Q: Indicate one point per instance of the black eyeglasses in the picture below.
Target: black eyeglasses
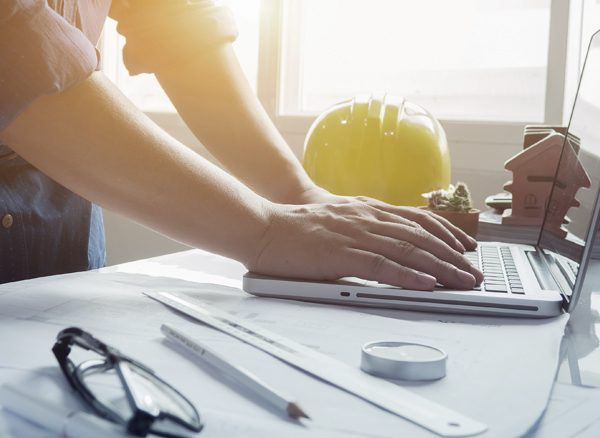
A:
(123, 390)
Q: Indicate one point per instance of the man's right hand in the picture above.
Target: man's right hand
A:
(330, 241)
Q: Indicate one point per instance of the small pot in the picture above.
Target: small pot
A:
(467, 221)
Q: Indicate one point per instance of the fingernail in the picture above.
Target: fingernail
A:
(427, 281)
(465, 278)
(478, 278)
(472, 241)
(460, 246)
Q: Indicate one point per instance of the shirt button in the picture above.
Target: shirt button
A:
(7, 221)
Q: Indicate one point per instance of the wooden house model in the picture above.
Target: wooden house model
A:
(533, 171)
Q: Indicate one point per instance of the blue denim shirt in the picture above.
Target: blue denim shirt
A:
(47, 46)
(45, 229)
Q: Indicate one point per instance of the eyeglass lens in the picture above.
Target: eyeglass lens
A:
(151, 393)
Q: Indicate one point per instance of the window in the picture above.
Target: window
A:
(461, 59)
(590, 23)
(473, 63)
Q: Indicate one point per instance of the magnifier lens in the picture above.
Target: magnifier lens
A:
(403, 360)
(408, 352)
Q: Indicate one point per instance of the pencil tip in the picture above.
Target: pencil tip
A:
(295, 411)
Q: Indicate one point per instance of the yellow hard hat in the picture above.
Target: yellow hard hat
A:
(379, 146)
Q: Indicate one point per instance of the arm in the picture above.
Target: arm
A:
(187, 45)
(214, 98)
(92, 140)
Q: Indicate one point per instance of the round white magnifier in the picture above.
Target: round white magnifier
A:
(403, 360)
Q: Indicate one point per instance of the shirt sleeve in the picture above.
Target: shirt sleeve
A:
(163, 33)
(40, 53)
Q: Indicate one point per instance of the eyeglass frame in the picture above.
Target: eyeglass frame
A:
(142, 420)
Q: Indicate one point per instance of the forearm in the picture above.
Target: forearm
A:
(94, 142)
(215, 100)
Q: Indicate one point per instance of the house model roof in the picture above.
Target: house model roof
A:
(547, 151)
(551, 145)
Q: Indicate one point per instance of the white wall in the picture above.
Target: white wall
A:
(479, 164)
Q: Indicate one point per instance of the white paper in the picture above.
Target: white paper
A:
(498, 368)
(572, 412)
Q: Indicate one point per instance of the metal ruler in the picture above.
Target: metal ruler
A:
(390, 397)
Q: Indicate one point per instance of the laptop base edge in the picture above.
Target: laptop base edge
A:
(365, 296)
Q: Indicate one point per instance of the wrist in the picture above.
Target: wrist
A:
(317, 195)
(308, 194)
(271, 211)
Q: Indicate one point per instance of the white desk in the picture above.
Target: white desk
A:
(110, 305)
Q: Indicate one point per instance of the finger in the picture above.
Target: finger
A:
(468, 242)
(376, 267)
(432, 225)
(421, 238)
(413, 257)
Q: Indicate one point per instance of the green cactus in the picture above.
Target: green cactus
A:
(453, 199)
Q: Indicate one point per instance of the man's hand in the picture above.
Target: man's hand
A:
(399, 246)
(436, 225)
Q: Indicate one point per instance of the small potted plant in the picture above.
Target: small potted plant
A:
(455, 205)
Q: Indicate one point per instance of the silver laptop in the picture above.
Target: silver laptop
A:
(519, 280)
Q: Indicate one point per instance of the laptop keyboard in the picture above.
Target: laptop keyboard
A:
(499, 271)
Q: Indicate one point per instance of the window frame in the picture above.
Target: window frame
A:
(564, 15)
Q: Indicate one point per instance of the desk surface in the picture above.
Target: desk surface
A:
(38, 309)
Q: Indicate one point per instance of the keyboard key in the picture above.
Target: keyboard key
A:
(499, 269)
(496, 288)
(499, 284)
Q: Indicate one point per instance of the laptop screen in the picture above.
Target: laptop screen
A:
(572, 205)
